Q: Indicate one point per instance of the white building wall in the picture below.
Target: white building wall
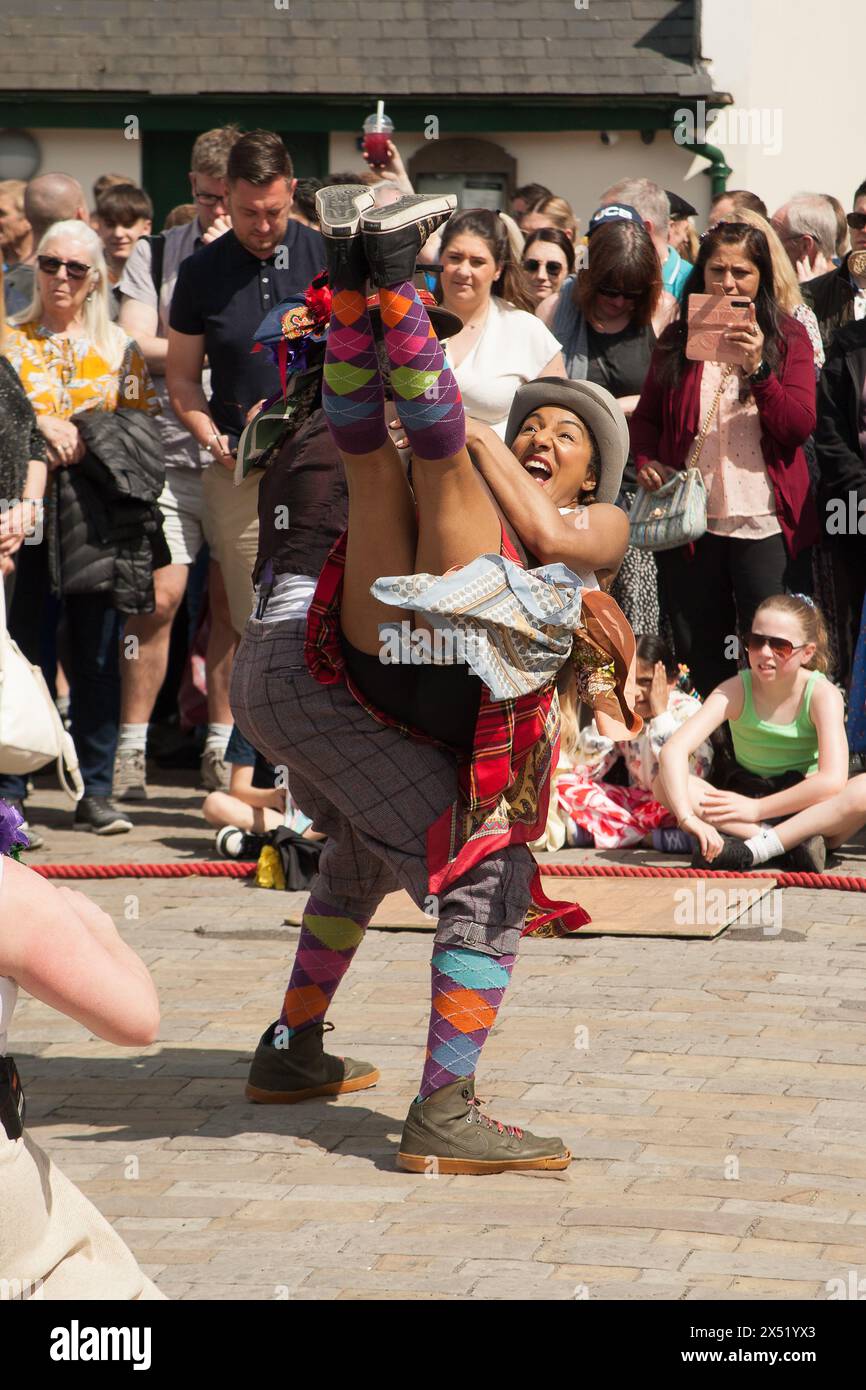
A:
(575, 164)
(85, 154)
(805, 62)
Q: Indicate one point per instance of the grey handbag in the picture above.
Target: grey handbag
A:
(675, 514)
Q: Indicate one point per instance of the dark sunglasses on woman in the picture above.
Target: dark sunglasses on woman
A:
(553, 268)
(755, 641)
(856, 221)
(76, 270)
(611, 292)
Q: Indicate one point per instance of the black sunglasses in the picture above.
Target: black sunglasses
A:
(553, 268)
(780, 645)
(611, 292)
(76, 270)
(856, 221)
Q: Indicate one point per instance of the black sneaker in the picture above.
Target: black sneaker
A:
(339, 208)
(233, 843)
(810, 857)
(35, 840)
(394, 235)
(97, 813)
(734, 854)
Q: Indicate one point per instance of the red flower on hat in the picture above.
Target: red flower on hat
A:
(317, 297)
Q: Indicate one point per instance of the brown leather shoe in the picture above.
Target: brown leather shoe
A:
(286, 1070)
(446, 1133)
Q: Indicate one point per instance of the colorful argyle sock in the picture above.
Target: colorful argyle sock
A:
(328, 942)
(352, 395)
(426, 393)
(467, 991)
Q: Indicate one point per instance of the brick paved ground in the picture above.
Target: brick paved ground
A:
(717, 1114)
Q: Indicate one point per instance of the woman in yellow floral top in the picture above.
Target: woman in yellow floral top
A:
(71, 358)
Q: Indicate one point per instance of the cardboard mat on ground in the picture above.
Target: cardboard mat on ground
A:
(682, 907)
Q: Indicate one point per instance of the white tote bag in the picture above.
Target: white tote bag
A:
(31, 730)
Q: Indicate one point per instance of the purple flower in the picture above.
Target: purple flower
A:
(12, 836)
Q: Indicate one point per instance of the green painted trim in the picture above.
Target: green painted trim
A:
(106, 111)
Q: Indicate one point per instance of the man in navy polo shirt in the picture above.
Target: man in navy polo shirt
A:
(222, 294)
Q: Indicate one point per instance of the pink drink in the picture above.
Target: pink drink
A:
(378, 130)
(376, 147)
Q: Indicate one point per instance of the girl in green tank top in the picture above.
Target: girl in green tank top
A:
(787, 725)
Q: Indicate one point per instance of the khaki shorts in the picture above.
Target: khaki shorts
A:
(182, 507)
(54, 1244)
(231, 524)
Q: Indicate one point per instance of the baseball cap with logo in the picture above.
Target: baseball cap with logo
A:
(613, 212)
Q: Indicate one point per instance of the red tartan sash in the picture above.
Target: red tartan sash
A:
(504, 787)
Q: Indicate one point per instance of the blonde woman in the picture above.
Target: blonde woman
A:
(550, 212)
(73, 361)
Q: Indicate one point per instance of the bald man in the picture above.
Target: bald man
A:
(48, 198)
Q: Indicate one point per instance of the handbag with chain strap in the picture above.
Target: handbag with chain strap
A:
(676, 514)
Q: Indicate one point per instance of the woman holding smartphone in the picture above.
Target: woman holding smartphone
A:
(754, 418)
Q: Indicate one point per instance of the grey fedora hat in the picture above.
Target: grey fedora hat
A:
(598, 410)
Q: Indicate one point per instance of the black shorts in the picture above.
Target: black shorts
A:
(440, 701)
(728, 776)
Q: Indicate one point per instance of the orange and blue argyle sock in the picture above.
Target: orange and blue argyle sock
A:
(352, 395)
(467, 991)
(328, 942)
(425, 390)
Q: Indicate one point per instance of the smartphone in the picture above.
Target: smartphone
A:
(710, 315)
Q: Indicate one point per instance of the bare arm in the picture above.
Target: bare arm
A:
(183, 368)
(37, 477)
(725, 702)
(141, 322)
(263, 798)
(546, 310)
(597, 541)
(65, 951)
(555, 367)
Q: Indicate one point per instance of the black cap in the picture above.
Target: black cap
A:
(679, 206)
(613, 212)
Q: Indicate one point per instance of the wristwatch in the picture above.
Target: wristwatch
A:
(761, 372)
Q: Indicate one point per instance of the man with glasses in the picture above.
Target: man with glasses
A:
(807, 229)
(840, 296)
(146, 289)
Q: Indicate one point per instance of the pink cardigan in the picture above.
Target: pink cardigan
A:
(666, 423)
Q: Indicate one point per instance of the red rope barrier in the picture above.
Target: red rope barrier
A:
(232, 868)
(191, 868)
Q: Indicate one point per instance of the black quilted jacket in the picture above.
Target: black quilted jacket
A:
(103, 521)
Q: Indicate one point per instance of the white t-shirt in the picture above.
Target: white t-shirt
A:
(513, 347)
(290, 598)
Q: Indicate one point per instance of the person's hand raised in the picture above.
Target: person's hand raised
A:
(218, 228)
(659, 691)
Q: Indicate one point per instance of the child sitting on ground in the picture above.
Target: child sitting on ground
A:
(253, 805)
(787, 725)
(587, 810)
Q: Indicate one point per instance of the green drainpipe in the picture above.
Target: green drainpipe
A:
(719, 171)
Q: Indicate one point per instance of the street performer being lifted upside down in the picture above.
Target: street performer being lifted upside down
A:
(441, 790)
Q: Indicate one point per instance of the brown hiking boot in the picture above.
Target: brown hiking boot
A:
(446, 1133)
(286, 1070)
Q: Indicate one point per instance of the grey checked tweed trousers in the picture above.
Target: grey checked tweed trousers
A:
(372, 791)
